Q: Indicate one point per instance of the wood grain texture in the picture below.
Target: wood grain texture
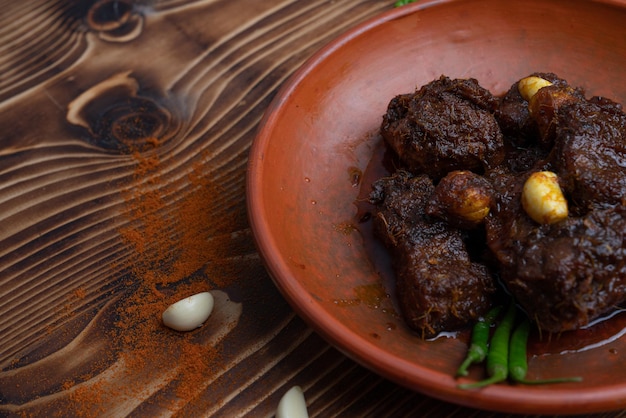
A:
(84, 88)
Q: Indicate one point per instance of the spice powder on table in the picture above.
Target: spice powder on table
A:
(171, 241)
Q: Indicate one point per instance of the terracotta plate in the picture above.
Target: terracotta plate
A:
(318, 150)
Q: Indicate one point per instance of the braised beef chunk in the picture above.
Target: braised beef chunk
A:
(439, 287)
(590, 152)
(446, 125)
(565, 274)
(545, 106)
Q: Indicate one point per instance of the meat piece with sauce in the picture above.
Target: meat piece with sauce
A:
(446, 125)
(439, 287)
(590, 152)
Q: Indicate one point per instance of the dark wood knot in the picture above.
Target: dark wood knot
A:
(118, 116)
(115, 20)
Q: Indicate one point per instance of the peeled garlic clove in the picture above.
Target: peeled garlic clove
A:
(189, 313)
(529, 86)
(292, 404)
(543, 199)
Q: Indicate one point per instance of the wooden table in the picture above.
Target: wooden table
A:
(125, 128)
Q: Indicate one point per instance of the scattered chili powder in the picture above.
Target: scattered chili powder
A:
(178, 245)
(80, 293)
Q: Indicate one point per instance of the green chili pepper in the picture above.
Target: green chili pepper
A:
(402, 2)
(518, 366)
(498, 355)
(479, 344)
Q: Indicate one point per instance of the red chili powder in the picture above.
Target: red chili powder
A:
(175, 241)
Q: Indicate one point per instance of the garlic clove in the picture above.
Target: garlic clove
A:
(189, 313)
(529, 86)
(292, 404)
(542, 198)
